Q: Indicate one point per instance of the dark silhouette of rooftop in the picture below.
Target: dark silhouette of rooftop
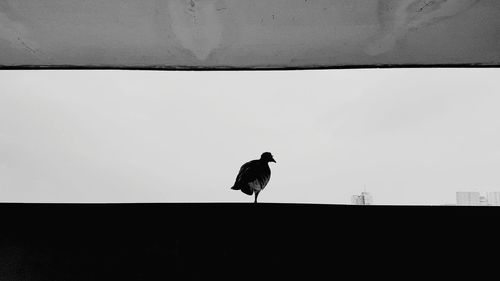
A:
(225, 241)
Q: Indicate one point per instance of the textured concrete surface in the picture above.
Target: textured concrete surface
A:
(243, 33)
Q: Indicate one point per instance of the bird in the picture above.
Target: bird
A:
(254, 175)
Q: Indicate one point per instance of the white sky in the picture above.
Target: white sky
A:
(411, 136)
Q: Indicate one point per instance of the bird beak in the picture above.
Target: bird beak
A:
(273, 160)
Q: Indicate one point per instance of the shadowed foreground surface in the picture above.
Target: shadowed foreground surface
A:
(244, 241)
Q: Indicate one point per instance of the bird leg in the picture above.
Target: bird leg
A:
(256, 195)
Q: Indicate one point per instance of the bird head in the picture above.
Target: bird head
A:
(267, 156)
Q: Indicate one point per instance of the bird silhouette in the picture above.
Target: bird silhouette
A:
(254, 175)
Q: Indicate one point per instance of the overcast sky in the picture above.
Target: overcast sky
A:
(409, 136)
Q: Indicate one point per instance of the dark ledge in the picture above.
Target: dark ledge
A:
(225, 241)
(492, 64)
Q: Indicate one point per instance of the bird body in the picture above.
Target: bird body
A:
(254, 175)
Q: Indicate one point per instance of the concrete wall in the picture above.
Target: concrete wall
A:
(248, 33)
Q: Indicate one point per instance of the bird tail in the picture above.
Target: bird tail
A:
(245, 189)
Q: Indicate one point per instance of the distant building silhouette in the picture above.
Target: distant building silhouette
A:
(468, 198)
(493, 198)
(483, 201)
(364, 199)
(476, 199)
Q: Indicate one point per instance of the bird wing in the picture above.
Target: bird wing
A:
(248, 172)
(260, 182)
(253, 176)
